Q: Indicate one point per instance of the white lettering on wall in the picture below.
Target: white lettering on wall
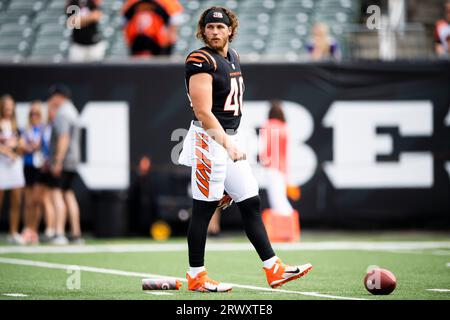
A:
(356, 144)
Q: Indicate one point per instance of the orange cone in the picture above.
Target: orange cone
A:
(281, 228)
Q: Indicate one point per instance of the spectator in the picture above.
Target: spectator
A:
(174, 9)
(444, 49)
(87, 44)
(322, 46)
(441, 31)
(273, 157)
(142, 198)
(145, 29)
(32, 164)
(447, 38)
(11, 165)
(64, 159)
(45, 180)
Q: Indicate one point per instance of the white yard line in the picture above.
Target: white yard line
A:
(50, 265)
(230, 246)
(420, 252)
(15, 295)
(448, 264)
(439, 290)
(441, 252)
(158, 293)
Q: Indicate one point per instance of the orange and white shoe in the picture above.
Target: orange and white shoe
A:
(202, 283)
(281, 273)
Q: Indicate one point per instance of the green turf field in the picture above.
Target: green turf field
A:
(113, 269)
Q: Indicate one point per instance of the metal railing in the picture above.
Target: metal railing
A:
(408, 42)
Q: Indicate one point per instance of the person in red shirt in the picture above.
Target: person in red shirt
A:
(441, 31)
(273, 156)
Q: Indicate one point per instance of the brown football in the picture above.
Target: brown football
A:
(380, 281)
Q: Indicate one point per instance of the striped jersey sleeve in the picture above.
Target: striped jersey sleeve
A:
(199, 61)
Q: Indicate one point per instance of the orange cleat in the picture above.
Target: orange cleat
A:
(202, 283)
(281, 273)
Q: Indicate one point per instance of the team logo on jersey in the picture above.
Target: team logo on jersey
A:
(218, 15)
(232, 65)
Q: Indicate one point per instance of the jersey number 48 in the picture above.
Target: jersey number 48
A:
(234, 99)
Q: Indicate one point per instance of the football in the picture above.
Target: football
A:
(380, 281)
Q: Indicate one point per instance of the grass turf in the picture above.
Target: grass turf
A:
(337, 273)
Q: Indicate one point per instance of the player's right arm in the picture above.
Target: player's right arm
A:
(200, 92)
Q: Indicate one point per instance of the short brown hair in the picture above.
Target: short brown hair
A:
(201, 23)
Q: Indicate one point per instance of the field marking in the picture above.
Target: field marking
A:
(422, 252)
(448, 264)
(50, 265)
(16, 295)
(439, 290)
(230, 246)
(156, 293)
(441, 252)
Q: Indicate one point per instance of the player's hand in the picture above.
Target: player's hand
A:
(235, 154)
(225, 202)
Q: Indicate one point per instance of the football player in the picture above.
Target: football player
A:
(215, 87)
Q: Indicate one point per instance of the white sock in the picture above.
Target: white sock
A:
(268, 264)
(194, 271)
(49, 232)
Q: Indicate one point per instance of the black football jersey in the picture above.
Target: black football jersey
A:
(228, 83)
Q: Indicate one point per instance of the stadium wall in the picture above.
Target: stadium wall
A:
(369, 142)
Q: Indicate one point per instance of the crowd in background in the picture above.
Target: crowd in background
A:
(38, 162)
(150, 28)
(37, 166)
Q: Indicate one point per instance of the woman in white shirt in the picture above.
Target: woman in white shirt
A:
(11, 165)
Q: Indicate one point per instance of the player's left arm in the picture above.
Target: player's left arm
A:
(200, 92)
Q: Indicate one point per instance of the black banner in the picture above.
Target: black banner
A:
(369, 141)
